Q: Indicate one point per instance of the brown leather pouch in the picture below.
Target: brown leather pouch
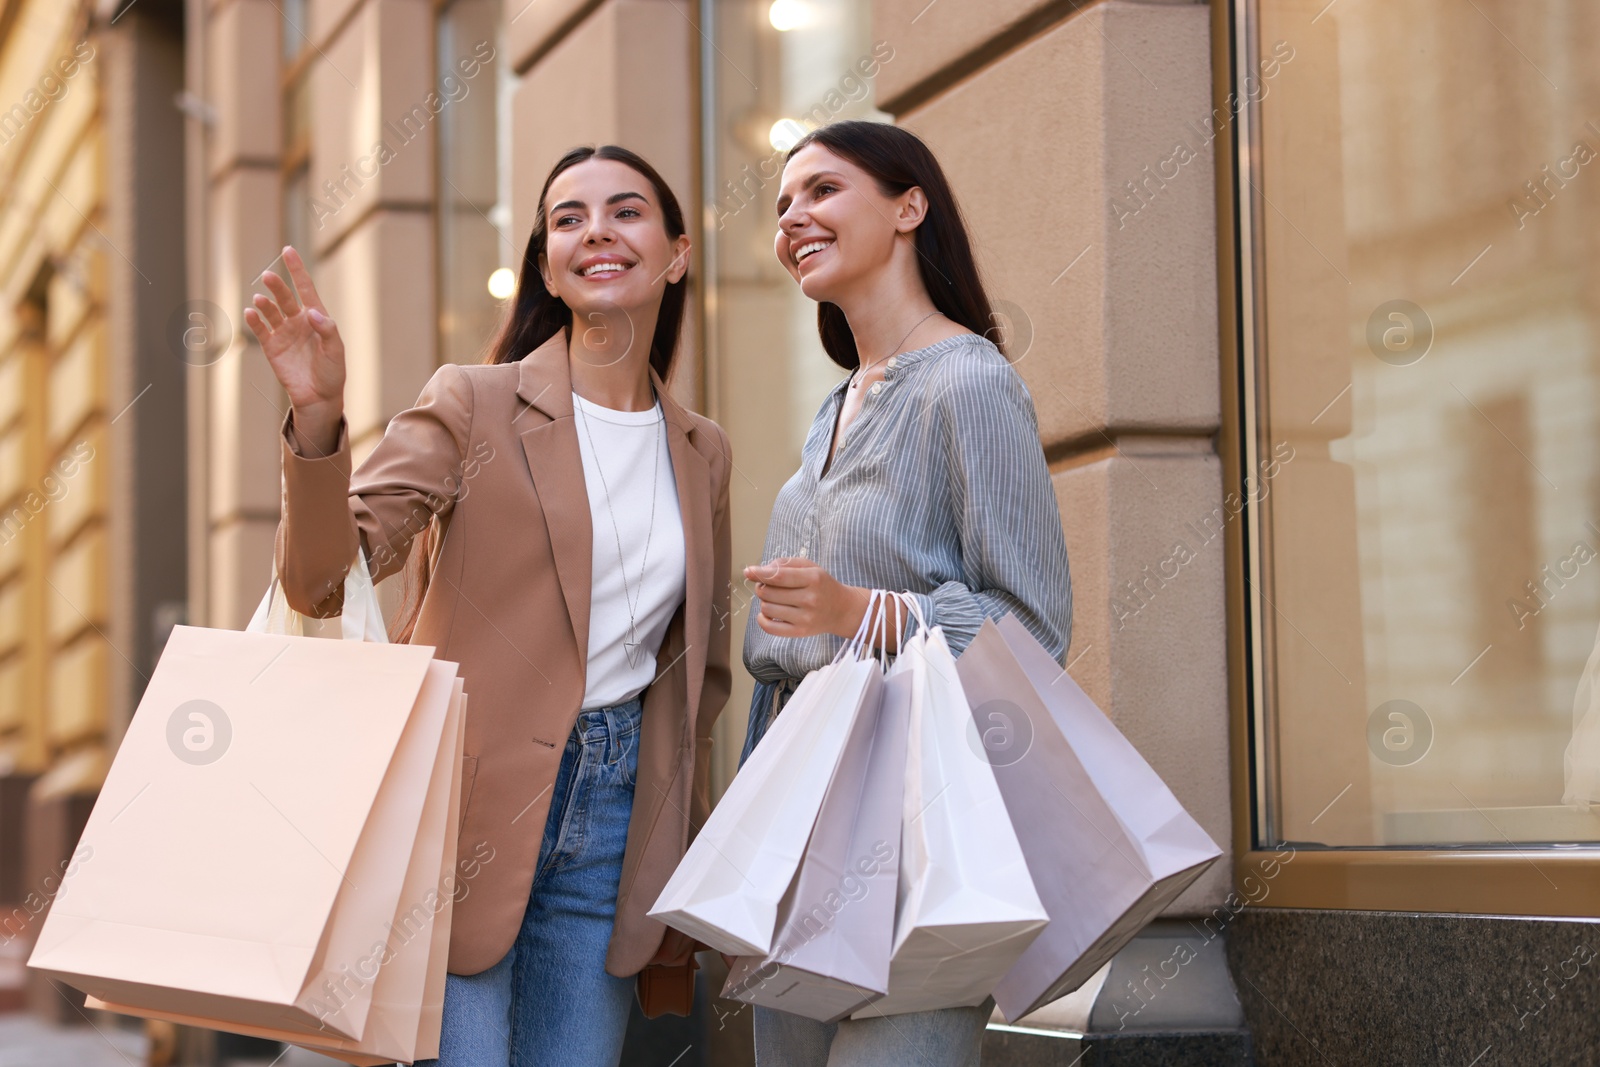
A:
(667, 990)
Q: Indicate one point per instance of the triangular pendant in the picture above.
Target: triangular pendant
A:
(631, 650)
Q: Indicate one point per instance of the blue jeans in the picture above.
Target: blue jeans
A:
(948, 1037)
(549, 1001)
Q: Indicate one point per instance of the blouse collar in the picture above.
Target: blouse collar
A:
(917, 355)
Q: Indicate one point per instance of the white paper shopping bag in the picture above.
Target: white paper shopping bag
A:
(1108, 843)
(836, 924)
(726, 890)
(967, 903)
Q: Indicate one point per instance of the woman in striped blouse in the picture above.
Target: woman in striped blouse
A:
(922, 473)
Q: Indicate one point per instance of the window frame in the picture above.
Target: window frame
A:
(1528, 881)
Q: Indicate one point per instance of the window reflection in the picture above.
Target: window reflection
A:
(296, 28)
(473, 213)
(296, 160)
(1429, 584)
(776, 70)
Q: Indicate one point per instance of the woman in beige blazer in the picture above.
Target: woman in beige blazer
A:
(566, 523)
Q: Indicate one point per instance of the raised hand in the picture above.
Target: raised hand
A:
(303, 346)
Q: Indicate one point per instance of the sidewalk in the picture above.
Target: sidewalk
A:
(27, 1042)
(13, 975)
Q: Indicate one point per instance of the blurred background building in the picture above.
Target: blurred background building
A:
(1304, 291)
(92, 443)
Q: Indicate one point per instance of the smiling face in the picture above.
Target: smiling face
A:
(834, 225)
(607, 245)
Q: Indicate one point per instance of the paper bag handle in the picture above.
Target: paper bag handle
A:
(856, 644)
(883, 626)
(360, 619)
(875, 620)
(914, 608)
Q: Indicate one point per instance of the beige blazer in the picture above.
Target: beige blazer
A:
(492, 450)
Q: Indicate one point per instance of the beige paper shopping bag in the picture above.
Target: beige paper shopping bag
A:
(271, 801)
(1107, 842)
(408, 992)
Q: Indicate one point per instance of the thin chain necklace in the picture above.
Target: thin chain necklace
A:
(630, 647)
(858, 373)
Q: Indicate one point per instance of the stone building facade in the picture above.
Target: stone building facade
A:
(92, 547)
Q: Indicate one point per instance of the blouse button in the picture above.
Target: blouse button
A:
(877, 387)
(891, 362)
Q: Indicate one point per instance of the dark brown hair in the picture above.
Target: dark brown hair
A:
(897, 160)
(535, 315)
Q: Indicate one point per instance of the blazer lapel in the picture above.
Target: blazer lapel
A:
(693, 475)
(550, 446)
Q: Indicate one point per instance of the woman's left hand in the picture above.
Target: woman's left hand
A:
(800, 599)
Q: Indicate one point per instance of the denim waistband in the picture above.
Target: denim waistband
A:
(608, 724)
(765, 703)
(783, 689)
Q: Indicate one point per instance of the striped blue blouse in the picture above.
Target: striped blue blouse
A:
(940, 489)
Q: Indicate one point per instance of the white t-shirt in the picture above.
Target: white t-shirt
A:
(634, 461)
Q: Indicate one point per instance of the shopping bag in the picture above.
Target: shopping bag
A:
(1107, 842)
(726, 890)
(270, 827)
(967, 906)
(408, 992)
(836, 923)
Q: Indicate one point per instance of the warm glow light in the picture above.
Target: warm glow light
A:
(789, 14)
(502, 283)
(784, 133)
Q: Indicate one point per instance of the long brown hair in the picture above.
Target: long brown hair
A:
(535, 315)
(897, 160)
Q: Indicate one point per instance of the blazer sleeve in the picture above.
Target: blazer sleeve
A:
(719, 673)
(415, 473)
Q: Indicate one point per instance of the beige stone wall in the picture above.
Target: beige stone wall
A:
(1042, 122)
(372, 248)
(236, 397)
(55, 656)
